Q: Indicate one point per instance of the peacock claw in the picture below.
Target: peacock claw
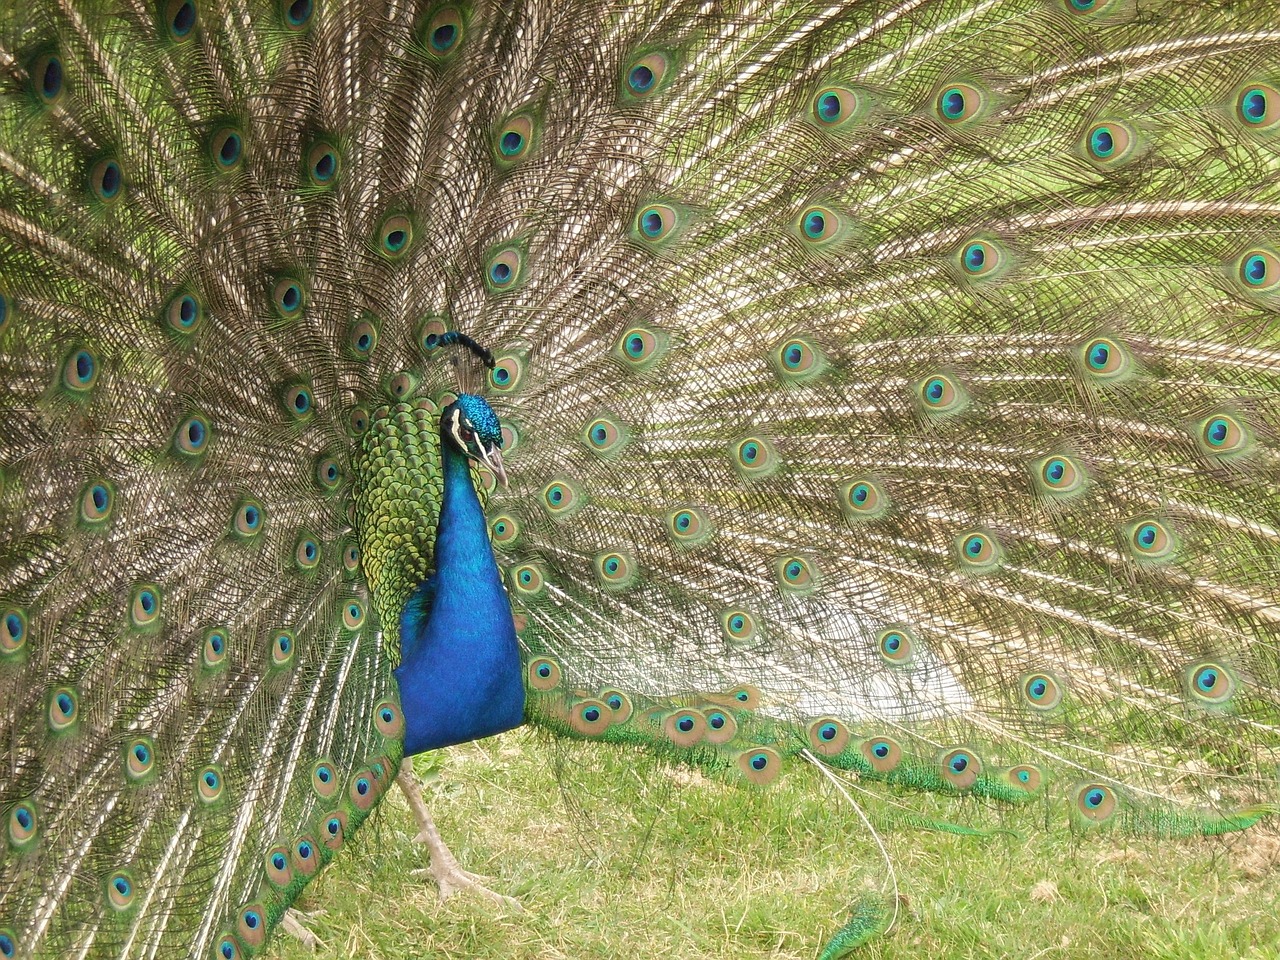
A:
(293, 924)
(449, 876)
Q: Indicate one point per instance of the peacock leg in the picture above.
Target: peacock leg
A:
(449, 876)
(294, 924)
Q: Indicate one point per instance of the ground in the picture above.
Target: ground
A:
(613, 853)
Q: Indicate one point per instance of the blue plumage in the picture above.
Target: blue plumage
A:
(460, 673)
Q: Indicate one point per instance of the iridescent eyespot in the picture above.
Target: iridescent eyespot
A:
(1104, 358)
(507, 373)
(363, 790)
(79, 371)
(46, 79)
(959, 102)
(684, 727)
(527, 579)
(106, 180)
(298, 401)
(503, 270)
(96, 502)
(796, 574)
(514, 140)
(1210, 683)
(304, 857)
(738, 626)
(828, 737)
(351, 558)
(324, 163)
(324, 780)
(184, 313)
(430, 332)
(640, 347)
(1094, 803)
(353, 615)
(1260, 271)
(120, 891)
(1258, 106)
(1058, 477)
(443, 33)
(882, 753)
(543, 674)
(209, 784)
(192, 436)
(605, 436)
(144, 604)
(655, 222)
(333, 830)
(818, 226)
(688, 526)
(1109, 144)
(754, 458)
(214, 650)
(388, 719)
(504, 530)
(226, 147)
(590, 718)
(283, 646)
(863, 499)
(288, 298)
(139, 759)
(276, 864)
(1086, 6)
(180, 19)
(960, 767)
(940, 395)
(296, 14)
(23, 825)
(362, 338)
(897, 645)
(395, 236)
(619, 703)
(1151, 540)
(721, 727)
(64, 709)
(402, 385)
(615, 569)
(13, 631)
(1025, 777)
(248, 520)
(980, 258)
(1041, 692)
(977, 551)
(562, 498)
(1221, 435)
(760, 765)
(328, 473)
(646, 75)
(835, 107)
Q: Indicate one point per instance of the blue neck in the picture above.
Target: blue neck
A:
(459, 674)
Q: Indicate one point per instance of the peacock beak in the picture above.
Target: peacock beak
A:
(492, 457)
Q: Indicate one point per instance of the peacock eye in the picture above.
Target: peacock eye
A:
(467, 434)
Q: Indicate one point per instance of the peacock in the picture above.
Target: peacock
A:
(889, 387)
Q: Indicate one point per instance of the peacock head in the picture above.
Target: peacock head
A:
(470, 424)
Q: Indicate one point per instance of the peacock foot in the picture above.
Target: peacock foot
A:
(444, 868)
(294, 924)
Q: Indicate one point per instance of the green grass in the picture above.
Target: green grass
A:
(614, 854)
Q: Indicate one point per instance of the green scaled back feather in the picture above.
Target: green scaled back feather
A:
(892, 381)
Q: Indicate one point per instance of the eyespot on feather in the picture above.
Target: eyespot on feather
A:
(828, 737)
(684, 727)
(960, 767)
(882, 753)
(760, 765)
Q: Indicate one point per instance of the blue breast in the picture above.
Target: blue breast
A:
(459, 674)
